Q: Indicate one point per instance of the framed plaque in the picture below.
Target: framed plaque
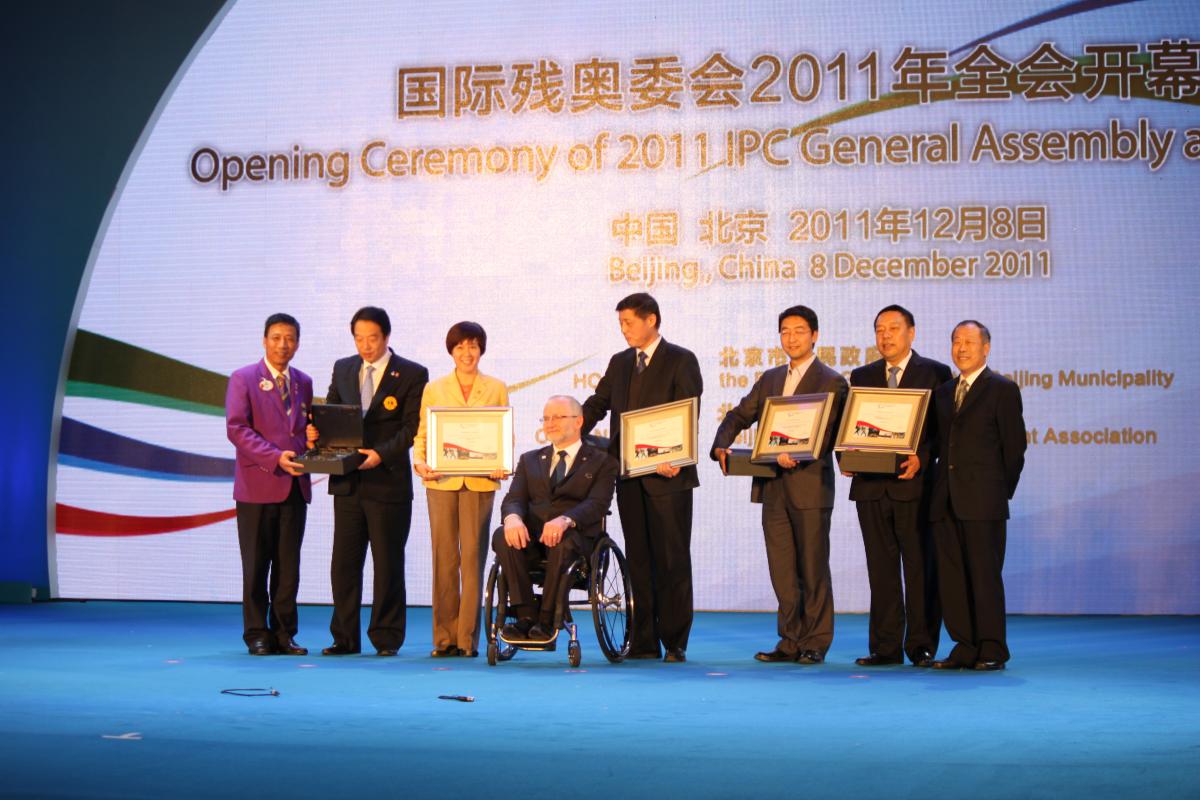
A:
(469, 441)
(792, 424)
(663, 434)
(881, 428)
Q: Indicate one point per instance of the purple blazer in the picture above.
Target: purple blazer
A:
(260, 430)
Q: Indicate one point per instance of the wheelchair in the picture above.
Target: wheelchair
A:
(602, 575)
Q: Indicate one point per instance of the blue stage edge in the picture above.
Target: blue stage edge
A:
(123, 700)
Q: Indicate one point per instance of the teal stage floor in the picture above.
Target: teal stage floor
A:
(123, 700)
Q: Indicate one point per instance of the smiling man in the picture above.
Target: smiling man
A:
(798, 501)
(981, 451)
(266, 404)
(905, 616)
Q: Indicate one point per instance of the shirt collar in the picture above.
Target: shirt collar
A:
(972, 377)
(903, 365)
(276, 373)
(803, 366)
(380, 365)
(572, 450)
(650, 348)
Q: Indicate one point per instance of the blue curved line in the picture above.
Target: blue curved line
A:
(1065, 10)
(118, 469)
(97, 446)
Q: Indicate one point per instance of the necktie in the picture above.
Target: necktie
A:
(560, 470)
(893, 381)
(641, 362)
(960, 393)
(282, 382)
(368, 389)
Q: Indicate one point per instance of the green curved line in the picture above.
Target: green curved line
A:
(104, 392)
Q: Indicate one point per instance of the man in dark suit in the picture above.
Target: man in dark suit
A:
(798, 502)
(373, 504)
(893, 513)
(981, 451)
(266, 405)
(655, 509)
(553, 510)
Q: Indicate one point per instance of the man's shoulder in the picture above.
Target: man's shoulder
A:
(860, 376)
(401, 364)
(301, 376)
(828, 372)
(248, 372)
(942, 371)
(677, 351)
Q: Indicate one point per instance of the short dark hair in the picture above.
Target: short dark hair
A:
(901, 310)
(643, 305)
(983, 331)
(373, 314)
(281, 319)
(804, 312)
(465, 332)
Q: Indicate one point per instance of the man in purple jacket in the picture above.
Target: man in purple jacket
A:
(266, 410)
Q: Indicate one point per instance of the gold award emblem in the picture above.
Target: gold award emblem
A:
(390, 403)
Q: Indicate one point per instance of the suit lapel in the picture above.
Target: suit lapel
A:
(811, 380)
(974, 390)
(543, 458)
(264, 374)
(384, 383)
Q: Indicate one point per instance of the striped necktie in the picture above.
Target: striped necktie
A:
(960, 393)
(282, 382)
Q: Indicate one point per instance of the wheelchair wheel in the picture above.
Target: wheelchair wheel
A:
(574, 654)
(494, 613)
(612, 602)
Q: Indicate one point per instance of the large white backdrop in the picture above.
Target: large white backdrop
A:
(575, 196)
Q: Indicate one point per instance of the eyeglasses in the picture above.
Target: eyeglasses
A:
(558, 418)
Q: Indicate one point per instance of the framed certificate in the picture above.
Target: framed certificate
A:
(664, 434)
(469, 441)
(880, 427)
(792, 424)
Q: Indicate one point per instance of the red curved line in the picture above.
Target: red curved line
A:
(85, 522)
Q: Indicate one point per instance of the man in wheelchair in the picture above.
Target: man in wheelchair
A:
(553, 510)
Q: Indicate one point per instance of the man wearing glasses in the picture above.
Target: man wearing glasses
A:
(553, 510)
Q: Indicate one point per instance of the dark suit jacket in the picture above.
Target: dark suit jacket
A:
(810, 485)
(672, 374)
(981, 448)
(584, 495)
(921, 373)
(389, 432)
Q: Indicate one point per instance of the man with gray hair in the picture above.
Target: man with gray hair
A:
(553, 510)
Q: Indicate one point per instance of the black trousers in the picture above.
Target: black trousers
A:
(357, 524)
(905, 618)
(658, 548)
(797, 542)
(269, 537)
(515, 566)
(970, 556)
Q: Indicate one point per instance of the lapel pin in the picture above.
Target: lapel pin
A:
(266, 385)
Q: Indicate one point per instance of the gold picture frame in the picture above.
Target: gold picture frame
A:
(792, 425)
(469, 441)
(662, 434)
(883, 420)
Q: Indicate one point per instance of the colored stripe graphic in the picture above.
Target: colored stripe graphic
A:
(114, 370)
(83, 445)
(1058, 12)
(84, 522)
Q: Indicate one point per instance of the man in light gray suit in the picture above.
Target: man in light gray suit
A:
(798, 501)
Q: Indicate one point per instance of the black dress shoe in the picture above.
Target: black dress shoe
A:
(810, 657)
(946, 663)
(541, 633)
(338, 649)
(922, 658)
(774, 656)
(386, 652)
(445, 652)
(675, 656)
(516, 631)
(876, 660)
(290, 648)
(258, 647)
(988, 666)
